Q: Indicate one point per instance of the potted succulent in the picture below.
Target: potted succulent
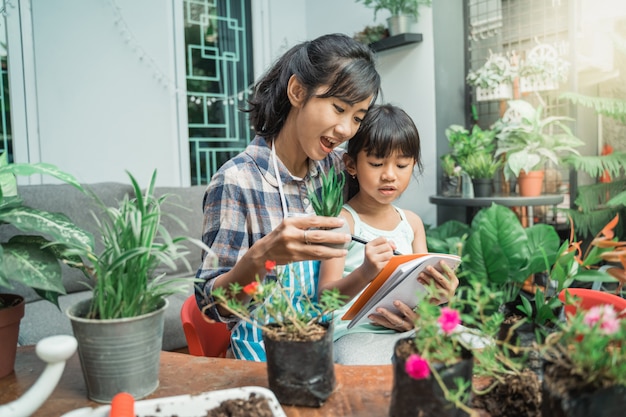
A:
(33, 259)
(122, 323)
(451, 184)
(529, 141)
(329, 201)
(403, 12)
(296, 331)
(494, 80)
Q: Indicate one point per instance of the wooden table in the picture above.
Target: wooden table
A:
(362, 391)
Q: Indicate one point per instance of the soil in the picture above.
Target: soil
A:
(520, 395)
(254, 406)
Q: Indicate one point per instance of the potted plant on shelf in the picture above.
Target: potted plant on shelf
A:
(494, 80)
(33, 259)
(403, 12)
(297, 333)
(451, 184)
(543, 69)
(528, 141)
(122, 324)
(481, 167)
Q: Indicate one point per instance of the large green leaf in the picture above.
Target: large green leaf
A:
(32, 266)
(497, 247)
(543, 240)
(56, 225)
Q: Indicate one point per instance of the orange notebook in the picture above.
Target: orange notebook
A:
(397, 281)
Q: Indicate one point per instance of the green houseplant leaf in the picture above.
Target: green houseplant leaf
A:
(330, 200)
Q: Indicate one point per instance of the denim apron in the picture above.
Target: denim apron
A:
(299, 278)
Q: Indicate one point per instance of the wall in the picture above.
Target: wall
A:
(106, 83)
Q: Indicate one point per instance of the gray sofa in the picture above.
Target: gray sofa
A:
(42, 318)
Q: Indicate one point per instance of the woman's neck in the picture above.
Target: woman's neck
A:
(292, 156)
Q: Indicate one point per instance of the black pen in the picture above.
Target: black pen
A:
(365, 242)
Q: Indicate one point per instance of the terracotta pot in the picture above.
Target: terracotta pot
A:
(301, 373)
(10, 318)
(412, 397)
(531, 183)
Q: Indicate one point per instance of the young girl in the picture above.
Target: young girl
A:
(308, 103)
(381, 159)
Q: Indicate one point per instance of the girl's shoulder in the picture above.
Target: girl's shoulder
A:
(413, 219)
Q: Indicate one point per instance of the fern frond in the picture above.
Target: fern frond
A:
(589, 224)
(593, 195)
(595, 165)
(611, 107)
(618, 200)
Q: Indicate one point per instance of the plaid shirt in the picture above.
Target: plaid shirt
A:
(242, 204)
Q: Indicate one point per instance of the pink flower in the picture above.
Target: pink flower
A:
(417, 367)
(449, 319)
(605, 315)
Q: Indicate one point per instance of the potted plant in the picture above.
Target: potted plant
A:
(329, 201)
(122, 324)
(403, 12)
(33, 259)
(451, 184)
(493, 81)
(543, 69)
(432, 372)
(529, 141)
(298, 340)
(481, 167)
(585, 370)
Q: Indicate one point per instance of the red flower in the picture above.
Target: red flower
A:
(251, 288)
(417, 367)
(449, 319)
(270, 265)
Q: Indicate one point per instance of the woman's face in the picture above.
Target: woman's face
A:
(322, 124)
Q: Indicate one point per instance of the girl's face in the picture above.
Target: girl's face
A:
(322, 124)
(381, 179)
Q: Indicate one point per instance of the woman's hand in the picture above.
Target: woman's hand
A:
(302, 238)
(446, 281)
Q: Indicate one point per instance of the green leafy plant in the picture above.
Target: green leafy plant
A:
(396, 7)
(528, 140)
(134, 244)
(371, 34)
(272, 306)
(448, 237)
(503, 254)
(449, 166)
(464, 143)
(495, 71)
(34, 259)
(481, 165)
(330, 200)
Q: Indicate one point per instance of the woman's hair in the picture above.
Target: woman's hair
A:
(334, 60)
(385, 129)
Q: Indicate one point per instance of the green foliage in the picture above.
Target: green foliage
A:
(134, 244)
(396, 7)
(529, 140)
(614, 108)
(495, 71)
(371, 34)
(449, 166)
(34, 259)
(449, 237)
(464, 143)
(273, 306)
(502, 253)
(481, 165)
(330, 201)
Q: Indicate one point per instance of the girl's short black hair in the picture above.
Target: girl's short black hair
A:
(385, 129)
(334, 60)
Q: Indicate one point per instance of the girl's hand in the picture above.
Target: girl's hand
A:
(445, 280)
(377, 253)
(400, 322)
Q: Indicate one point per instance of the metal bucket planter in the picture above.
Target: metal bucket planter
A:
(118, 355)
(301, 373)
